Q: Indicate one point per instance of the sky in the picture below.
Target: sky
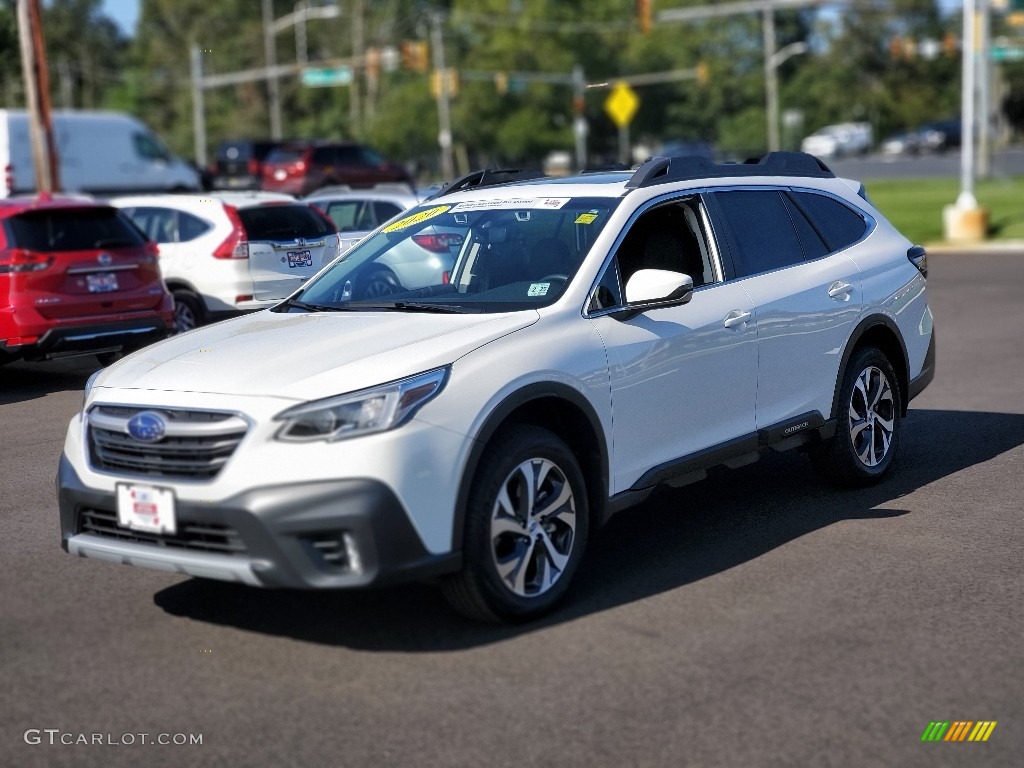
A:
(124, 12)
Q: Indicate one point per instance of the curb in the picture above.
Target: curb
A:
(997, 246)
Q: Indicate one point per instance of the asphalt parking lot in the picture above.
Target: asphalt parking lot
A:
(759, 618)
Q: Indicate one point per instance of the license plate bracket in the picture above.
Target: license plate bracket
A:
(146, 508)
(101, 282)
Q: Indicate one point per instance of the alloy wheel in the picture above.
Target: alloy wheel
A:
(872, 416)
(533, 527)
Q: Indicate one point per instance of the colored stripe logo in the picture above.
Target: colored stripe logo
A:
(959, 730)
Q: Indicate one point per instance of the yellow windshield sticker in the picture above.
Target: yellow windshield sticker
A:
(416, 218)
(586, 218)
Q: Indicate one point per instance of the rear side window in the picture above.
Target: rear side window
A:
(166, 225)
(283, 222)
(838, 224)
(760, 230)
(149, 148)
(78, 229)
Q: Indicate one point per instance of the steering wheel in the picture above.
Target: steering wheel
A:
(549, 278)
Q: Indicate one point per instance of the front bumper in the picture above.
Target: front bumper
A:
(330, 534)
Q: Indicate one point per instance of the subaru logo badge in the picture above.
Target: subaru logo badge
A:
(147, 427)
(105, 259)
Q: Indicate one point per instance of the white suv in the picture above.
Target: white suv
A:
(598, 336)
(232, 251)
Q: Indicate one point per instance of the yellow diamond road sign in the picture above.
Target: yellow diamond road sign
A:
(621, 104)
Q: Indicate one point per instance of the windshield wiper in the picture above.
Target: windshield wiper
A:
(413, 306)
(312, 307)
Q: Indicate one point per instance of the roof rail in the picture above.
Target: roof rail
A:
(661, 170)
(489, 177)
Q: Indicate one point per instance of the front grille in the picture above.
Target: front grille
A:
(195, 446)
(198, 537)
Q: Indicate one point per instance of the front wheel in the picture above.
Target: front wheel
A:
(868, 419)
(526, 528)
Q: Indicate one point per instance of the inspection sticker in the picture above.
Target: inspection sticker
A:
(538, 289)
(551, 203)
(586, 218)
(416, 218)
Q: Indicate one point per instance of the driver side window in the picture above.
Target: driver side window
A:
(668, 237)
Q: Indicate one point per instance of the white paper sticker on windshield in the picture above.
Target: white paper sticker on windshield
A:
(538, 289)
(504, 205)
(416, 218)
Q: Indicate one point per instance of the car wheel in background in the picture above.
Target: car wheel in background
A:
(188, 311)
(863, 449)
(380, 282)
(526, 528)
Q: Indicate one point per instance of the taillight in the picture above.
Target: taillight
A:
(254, 167)
(919, 258)
(236, 245)
(439, 243)
(20, 260)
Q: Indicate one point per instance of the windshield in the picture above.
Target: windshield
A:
(479, 256)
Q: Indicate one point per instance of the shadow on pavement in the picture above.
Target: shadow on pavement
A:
(677, 537)
(23, 381)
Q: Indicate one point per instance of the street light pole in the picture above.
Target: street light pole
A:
(273, 84)
(772, 61)
(444, 120)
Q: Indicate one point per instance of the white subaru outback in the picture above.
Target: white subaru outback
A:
(596, 336)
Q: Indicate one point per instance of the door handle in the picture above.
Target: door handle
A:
(839, 290)
(736, 318)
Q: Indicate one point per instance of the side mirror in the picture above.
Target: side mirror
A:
(658, 288)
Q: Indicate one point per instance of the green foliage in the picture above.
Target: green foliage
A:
(850, 73)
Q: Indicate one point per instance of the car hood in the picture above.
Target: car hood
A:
(308, 356)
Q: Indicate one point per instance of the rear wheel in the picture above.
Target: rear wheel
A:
(380, 282)
(526, 528)
(188, 311)
(863, 449)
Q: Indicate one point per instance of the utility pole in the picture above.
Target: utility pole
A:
(444, 120)
(355, 103)
(771, 77)
(273, 84)
(198, 107)
(580, 127)
(37, 96)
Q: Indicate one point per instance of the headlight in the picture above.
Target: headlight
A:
(88, 387)
(360, 413)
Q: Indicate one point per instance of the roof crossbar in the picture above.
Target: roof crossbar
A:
(489, 177)
(661, 170)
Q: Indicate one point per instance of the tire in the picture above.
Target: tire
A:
(868, 422)
(378, 283)
(518, 563)
(188, 311)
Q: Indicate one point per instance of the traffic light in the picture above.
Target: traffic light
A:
(415, 55)
(644, 13)
(702, 73)
(896, 48)
(950, 45)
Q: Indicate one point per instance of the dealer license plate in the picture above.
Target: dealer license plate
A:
(146, 508)
(101, 282)
(299, 259)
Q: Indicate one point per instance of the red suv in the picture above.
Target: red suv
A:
(77, 278)
(298, 169)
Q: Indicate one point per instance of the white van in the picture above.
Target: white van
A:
(101, 153)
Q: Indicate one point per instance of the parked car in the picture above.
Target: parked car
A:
(599, 336)
(230, 252)
(939, 135)
(239, 163)
(902, 143)
(420, 261)
(103, 153)
(357, 212)
(299, 169)
(842, 140)
(76, 278)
